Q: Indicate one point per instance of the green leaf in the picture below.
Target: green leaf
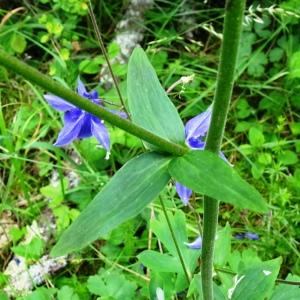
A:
(33, 250)
(91, 66)
(67, 293)
(148, 102)
(45, 38)
(170, 262)
(196, 288)
(273, 102)
(118, 136)
(257, 282)
(160, 262)
(257, 66)
(264, 158)
(242, 126)
(292, 5)
(245, 50)
(15, 233)
(18, 43)
(295, 127)
(276, 54)
(55, 192)
(257, 170)
(288, 157)
(262, 29)
(113, 50)
(3, 296)
(206, 173)
(41, 293)
(256, 137)
(111, 285)
(4, 280)
(244, 109)
(178, 222)
(285, 291)
(3, 74)
(222, 246)
(294, 65)
(162, 281)
(132, 188)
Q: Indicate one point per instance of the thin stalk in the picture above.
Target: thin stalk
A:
(115, 264)
(56, 88)
(231, 38)
(281, 281)
(185, 270)
(197, 219)
(61, 174)
(101, 44)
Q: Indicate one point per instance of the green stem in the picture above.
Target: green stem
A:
(114, 264)
(185, 270)
(231, 38)
(56, 88)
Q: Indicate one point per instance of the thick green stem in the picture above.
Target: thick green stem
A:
(56, 88)
(231, 38)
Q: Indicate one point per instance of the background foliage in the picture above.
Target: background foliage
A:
(182, 39)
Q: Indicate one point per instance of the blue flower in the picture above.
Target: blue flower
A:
(248, 235)
(196, 244)
(195, 132)
(79, 124)
(251, 236)
(240, 236)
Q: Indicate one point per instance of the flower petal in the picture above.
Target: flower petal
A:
(183, 192)
(73, 122)
(198, 126)
(196, 244)
(118, 112)
(58, 103)
(94, 96)
(81, 90)
(100, 132)
(86, 130)
(239, 236)
(252, 236)
(221, 154)
(196, 144)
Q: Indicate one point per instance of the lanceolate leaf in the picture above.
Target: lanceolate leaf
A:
(257, 282)
(132, 188)
(148, 102)
(205, 173)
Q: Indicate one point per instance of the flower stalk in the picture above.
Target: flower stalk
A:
(184, 267)
(102, 47)
(229, 51)
(59, 90)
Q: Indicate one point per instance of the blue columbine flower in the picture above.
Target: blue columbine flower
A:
(195, 131)
(79, 124)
